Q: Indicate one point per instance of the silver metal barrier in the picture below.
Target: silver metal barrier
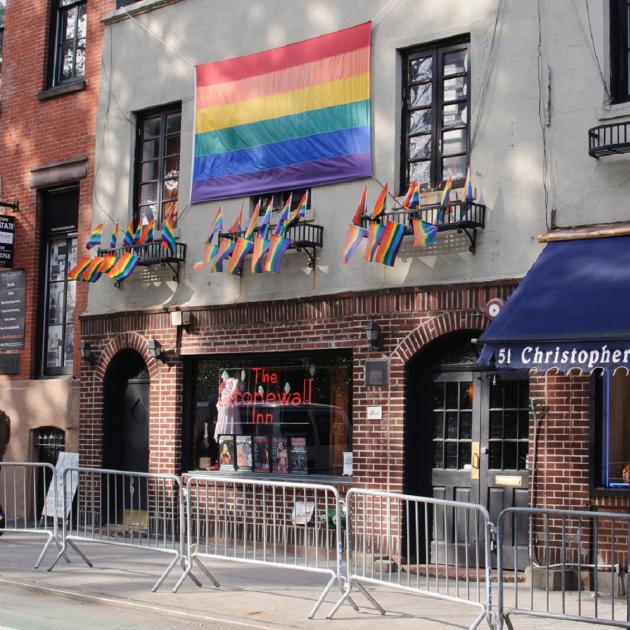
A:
(281, 524)
(130, 509)
(436, 548)
(576, 565)
(29, 502)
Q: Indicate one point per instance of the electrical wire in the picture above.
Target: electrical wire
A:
(606, 102)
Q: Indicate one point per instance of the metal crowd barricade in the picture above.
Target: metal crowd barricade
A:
(281, 524)
(432, 547)
(24, 488)
(577, 565)
(129, 509)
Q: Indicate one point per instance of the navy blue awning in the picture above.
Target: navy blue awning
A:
(572, 309)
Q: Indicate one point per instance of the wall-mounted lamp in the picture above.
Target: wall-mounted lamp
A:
(156, 351)
(181, 318)
(87, 356)
(373, 335)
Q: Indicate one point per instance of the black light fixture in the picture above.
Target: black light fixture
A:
(373, 335)
(155, 348)
(87, 355)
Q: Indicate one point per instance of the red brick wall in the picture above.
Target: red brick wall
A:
(34, 133)
(409, 318)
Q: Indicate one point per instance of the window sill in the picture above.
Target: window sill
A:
(137, 8)
(609, 492)
(619, 110)
(59, 90)
(305, 479)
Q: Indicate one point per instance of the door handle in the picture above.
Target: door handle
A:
(475, 460)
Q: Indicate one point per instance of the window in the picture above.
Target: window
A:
(124, 3)
(436, 112)
(619, 50)
(612, 413)
(279, 199)
(157, 164)
(68, 50)
(2, 8)
(59, 293)
(295, 408)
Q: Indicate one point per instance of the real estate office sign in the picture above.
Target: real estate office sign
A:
(7, 234)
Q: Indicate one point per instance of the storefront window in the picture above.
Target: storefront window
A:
(282, 414)
(615, 412)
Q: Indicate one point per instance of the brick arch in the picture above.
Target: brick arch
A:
(433, 328)
(125, 341)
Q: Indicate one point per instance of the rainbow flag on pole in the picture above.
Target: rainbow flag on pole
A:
(375, 233)
(261, 245)
(125, 265)
(286, 118)
(390, 243)
(380, 205)
(130, 235)
(298, 213)
(107, 263)
(266, 222)
(253, 222)
(207, 256)
(225, 248)
(423, 233)
(355, 235)
(361, 210)
(412, 198)
(168, 235)
(215, 264)
(92, 273)
(79, 268)
(277, 247)
(146, 235)
(284, 216)
(94, 239)
(114, 237)
(241, 249)
(446, 199)
(217, 225)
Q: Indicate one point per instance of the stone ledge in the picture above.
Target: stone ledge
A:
(143, 6)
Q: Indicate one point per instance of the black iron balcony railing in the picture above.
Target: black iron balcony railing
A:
(461, 216)
(152, 254)
(305, 237)
(611, 139)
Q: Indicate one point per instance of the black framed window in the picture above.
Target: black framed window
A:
(435, 114)
(611, 399)
(292, 412)
(619, 50)
(69, 26)
(157, 164)
(278, 200)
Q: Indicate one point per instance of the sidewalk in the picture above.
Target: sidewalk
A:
(250, 596)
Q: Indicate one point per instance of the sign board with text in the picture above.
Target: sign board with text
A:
(12, 306)
(7, 238)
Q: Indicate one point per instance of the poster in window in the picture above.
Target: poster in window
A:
(55, 303)
(226, 452)
(54, 347)
(244, 452)
(71, 298)
(262, 460)
(68, 346)
(280, 455)
(299, 456)
(58, 255)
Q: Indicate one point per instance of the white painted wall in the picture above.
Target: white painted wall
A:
(144, 69)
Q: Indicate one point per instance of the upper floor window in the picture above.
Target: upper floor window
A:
(157, 164)
(2, 8)
(123, 3)
(436, 113)
(69, 30)
(619, 50)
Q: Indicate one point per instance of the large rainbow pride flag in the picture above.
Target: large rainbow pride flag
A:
(285, 118)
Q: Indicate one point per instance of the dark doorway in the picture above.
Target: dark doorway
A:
(466, 436)
(125, 426)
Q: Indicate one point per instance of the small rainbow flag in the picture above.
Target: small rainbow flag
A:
(261, 245)
(92, 273)
(130, 238)
(146, 236)
(360, 211)
(355, 235)
(390, 243)
(412, 198)
(207, 256)
(241, 249)
(298, 213)
(168, 235)
(79, 268)
(214, 264)
(136, 236)
(114, 238)
(468, 188)
(217, 225)
(107, 263)
(375, 233)
(277, 247)
(284, 216)
(226, 247)
(446, 199)
(125, 265)
(380, 205)
(423, 233)
(236, 226)
(266, 222)
(253, 222)
(94, 239)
